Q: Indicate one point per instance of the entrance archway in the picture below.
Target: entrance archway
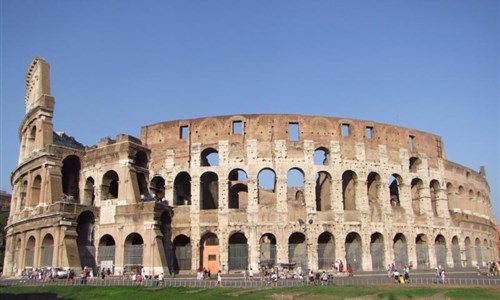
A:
(267, 245)
(85, 240)
(133, 250)
(353, 250)
(209, 252)
(106, 253)
(238, 252)
(182, 253)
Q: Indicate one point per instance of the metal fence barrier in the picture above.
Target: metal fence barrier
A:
(255, 283)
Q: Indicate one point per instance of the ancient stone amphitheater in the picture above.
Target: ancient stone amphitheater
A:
(232, 192)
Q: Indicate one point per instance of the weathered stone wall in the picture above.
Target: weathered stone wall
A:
(241, 191)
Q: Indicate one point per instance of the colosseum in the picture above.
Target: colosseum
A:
(233, 192)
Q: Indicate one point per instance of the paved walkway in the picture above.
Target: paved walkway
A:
(464, 277)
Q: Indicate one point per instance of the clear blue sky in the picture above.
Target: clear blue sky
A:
(119, 65)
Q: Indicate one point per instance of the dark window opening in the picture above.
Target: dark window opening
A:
(293, 131)
(184, 132)
(346, 130)
(369, 132)
(182, 189)
(71, 177)
(412, 143)
(237, 127)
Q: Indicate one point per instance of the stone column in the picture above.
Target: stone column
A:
(312, 248)
(253, 194)
(195, 247)
(223, 252)
(253, 248)
(281, 246)
(362, 196)
(412, 250)
(281, 194)
(336, 194)
(10, 255)
(432, 254)
(119, 251)
(390, 256)
(366, 256)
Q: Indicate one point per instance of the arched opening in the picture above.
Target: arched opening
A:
(71, 177)
(157, 188)
(209, 191)
(416, 188)
(109, 188)
(414, 164)
(29, 258)
(468, 252)
(106, 254)
(455, 252)
(141, 159)
(479, 256)
(209, 252)
(89, 192)
(395, 182)
(400, 250)
(434, 188)
(440, 249)
(35, 191)
(323, 191)
(133, 250)
(168, 247)
(209, 157)
(353, 251)
(377, 251)
(85, 240)
(373, 192)
(143, 187)
(182, 189)
(238, 189)
(297, 250)
(422, 250)
(238, 252)
(461, 194)
(349, 179)
(47, 250)
(295, 185)
(321, 156)
(326, 250)
(267, 245)
(182, 252)
(267, 187)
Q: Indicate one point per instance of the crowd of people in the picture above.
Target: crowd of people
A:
(271, 275)
(397, 276)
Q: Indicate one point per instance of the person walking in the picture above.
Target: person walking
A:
(219, 279)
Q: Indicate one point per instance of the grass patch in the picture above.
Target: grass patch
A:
(295, 293)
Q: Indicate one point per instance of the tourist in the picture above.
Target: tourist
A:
(324, 278)
(219, 279)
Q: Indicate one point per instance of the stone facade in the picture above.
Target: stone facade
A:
(241, 191)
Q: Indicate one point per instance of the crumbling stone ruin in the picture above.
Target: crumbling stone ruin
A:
(232, 192)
